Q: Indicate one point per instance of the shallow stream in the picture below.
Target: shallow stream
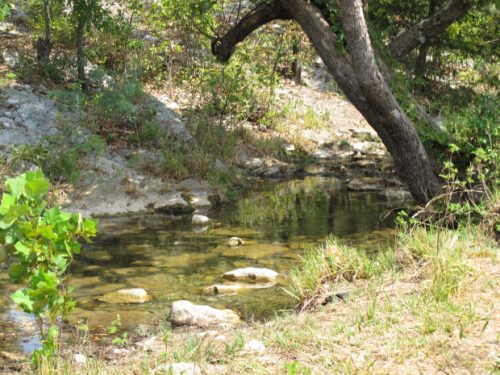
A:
(172, 260)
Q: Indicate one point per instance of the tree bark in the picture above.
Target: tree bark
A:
(400, 136)
(296, 65)
(421, 61)
(80, 53)
(263, 13)
(44, 45)
(433, 25)
(361, 82)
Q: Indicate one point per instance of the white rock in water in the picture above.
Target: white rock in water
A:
(234, 241)
(185, 313)
(80, 359)
(251, 275)
(134, 295)
(200, 220)
(181, 368)
(255, 346)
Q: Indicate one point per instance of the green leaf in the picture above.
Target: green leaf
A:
(36, 184)
(23, 300)
(22, 249)
(15, 186)
(12, 215)
(47, 231)
(61, 263)
(7, 202)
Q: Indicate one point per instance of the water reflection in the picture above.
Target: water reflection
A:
(171, 261)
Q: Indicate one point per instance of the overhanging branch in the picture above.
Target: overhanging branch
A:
(223, 47)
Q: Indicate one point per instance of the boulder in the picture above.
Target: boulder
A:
(200, 220)
(252, 275)
(199, 198)
(172, 204)
(234, 242)
(185, 313)
(134, 295)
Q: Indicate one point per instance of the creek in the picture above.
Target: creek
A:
(173, 260)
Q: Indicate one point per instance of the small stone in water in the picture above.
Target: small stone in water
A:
(200, 220)
(234, 241)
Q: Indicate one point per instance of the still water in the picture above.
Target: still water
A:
(172, 260)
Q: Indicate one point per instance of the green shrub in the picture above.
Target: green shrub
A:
(42, 241)
(123, 105)
(474, 130)
(6, 7)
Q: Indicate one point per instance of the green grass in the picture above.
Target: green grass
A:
(334, 262)
(426, 304)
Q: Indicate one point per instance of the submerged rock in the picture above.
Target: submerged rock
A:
(134, 295)
(234, 241)
(256, 251)
(200, 220)
(235, 288)
(185, 313)
(396, 195)
(252, 275)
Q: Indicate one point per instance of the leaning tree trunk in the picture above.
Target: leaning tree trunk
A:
(366, 88)
(357, 74)
(399, 135)
(80, 55)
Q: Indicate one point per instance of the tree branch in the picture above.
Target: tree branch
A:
(223, 47)
(431, 26)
